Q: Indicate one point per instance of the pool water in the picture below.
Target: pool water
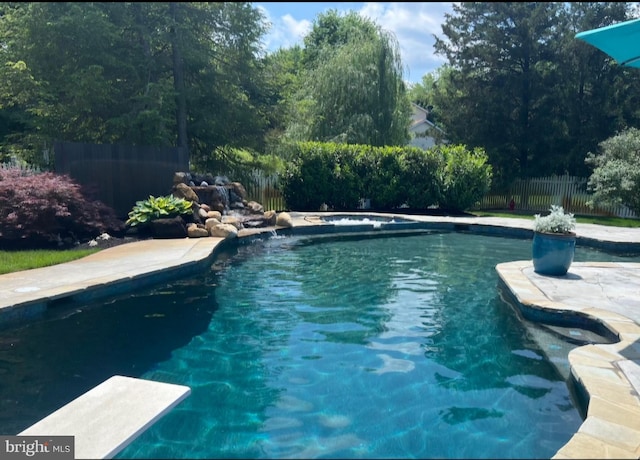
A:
(336, 347)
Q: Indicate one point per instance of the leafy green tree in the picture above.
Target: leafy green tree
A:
(423, 93)
(522, 88)
(616, 171)
(597, 97)
(134, 73)
(227, 99)
(332, 30)
(496, 51)
(352, 90)
(282, 70)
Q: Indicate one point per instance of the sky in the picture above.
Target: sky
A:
(413, 24)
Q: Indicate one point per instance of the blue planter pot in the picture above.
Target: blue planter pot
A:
(553, 253)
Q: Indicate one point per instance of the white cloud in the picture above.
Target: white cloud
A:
(413, 25)
(285, 31)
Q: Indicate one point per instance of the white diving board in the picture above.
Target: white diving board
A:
(110, 416)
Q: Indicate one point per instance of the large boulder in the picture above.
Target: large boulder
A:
(224, 231)
(196, 231)
(168, 228)
(283, 219)
(181, 190)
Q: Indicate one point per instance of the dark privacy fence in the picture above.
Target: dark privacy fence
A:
(120, 175)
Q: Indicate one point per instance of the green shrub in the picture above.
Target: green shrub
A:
(448, 177)
(466, 177)
(321, 173)
(379, 170)
(616, 175)
(419, 180)
(157, 208)
(306, 180)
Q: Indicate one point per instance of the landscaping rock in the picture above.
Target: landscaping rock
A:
(168, 228)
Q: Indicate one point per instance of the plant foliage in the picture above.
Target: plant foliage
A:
(131, 73)
(557, 221)
(352, 90)
(520, 85)
(340, 175)
(616, 175)
(41, 209)
(467, 176)
(160, 207)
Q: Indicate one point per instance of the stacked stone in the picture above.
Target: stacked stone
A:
(219, 210)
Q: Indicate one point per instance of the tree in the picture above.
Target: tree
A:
(598, 97)
(133, 73)
(282, 70)
(515, 81)
(616, 171)
(425, 93)
(497, 51)
(352, 90)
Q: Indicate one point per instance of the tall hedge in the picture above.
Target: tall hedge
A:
(321, 172)
(420, 177)
(466, 177)
(379, 169)
(339, 175)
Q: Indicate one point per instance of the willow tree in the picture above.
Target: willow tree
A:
(352, 89)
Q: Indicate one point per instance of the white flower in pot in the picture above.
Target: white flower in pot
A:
(554, 242)
(557, 221)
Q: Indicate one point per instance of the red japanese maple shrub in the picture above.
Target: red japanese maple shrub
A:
(44, 209)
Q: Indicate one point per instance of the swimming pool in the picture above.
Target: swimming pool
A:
(355, 347)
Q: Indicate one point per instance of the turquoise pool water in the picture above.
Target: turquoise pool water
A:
(359, 347)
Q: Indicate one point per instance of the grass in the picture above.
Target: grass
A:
(599, 220)
(14, 261)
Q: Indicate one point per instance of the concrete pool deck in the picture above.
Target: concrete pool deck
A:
(604, 293)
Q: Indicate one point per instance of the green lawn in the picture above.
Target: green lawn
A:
(14, 261)
(610, 221)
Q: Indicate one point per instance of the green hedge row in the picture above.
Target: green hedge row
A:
(449, 177)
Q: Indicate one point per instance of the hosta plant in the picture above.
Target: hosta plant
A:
(160, 207)
(557, 221)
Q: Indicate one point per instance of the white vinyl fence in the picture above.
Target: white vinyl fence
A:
(536, 195)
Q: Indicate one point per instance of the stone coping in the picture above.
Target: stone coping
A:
(607, 375)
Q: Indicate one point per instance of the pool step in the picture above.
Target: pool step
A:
(110, 416)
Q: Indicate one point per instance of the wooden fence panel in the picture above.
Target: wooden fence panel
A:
(536, 195)
(261, 188)
(120, 175)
